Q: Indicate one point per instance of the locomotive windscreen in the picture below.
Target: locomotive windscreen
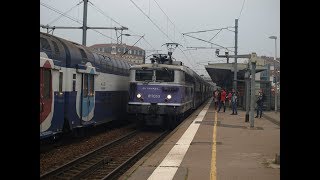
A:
(161, 75)
(165, 75)
(142, 75)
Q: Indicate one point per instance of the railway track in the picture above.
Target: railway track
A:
(110, 160)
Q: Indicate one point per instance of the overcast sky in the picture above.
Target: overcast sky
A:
(258, 20)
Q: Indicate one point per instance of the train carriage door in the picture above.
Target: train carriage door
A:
(193, 89)
(84, 98)
(90, 98)
(87, 97)
(45, 93)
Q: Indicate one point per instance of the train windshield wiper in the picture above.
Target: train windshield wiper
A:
(146, 81)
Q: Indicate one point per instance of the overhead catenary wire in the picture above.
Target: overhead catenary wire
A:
(207, 30)
(158, 28)
(71, 18)
(241, 9)
(132, 46)
(151, 20)
(215, 35)
(112, 19)
(103, 13)
(64, 13)
(174, 28)
(59, 12)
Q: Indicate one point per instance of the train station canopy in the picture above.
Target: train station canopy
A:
(222, 73)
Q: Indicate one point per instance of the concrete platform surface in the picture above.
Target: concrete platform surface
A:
(211, 145)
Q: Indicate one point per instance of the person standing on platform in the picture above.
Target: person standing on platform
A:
(260, 104)
(223, 100)
(234, 101)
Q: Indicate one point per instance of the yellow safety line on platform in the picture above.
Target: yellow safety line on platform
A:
(213, 173)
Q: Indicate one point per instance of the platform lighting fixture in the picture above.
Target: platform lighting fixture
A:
(274, 69)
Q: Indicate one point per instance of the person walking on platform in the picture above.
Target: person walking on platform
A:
(234, 101)
(223, 100)
(215, 98)
(260, 104)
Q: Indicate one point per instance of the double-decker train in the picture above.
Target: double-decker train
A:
(161, 92)
(79, 87)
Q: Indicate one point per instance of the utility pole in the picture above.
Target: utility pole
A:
(247, 87)
(235, 58)
(275, 75)
(84, 27)
(274, 72)
(253, 85)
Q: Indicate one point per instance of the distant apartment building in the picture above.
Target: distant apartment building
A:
(130, 53)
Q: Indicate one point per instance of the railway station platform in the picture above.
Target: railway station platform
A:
(211, 145)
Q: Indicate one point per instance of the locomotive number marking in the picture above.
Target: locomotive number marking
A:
(153, 96)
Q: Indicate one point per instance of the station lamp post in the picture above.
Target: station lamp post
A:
(274, 72)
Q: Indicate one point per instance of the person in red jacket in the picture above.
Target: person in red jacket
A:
(223, 100)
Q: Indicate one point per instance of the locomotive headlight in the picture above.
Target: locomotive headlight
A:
(138, 95)
(169, 96)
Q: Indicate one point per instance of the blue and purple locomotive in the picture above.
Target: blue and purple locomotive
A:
(162, 92)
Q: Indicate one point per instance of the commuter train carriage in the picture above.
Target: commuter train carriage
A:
(160, 93)
(79, 87)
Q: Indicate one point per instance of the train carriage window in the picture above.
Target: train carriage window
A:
(60, 82)
(100, 60)
(118, 66)
(96, 59)
(91, 84)
(83, 54)
(73, 85)
(123, 67)
(188, 78)
(85, 85)
(46, 83)
(103, 64)
(114, 65)
(109, 64)
(74, 77)
(56, 48)
(127, 68)
(45, 44)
